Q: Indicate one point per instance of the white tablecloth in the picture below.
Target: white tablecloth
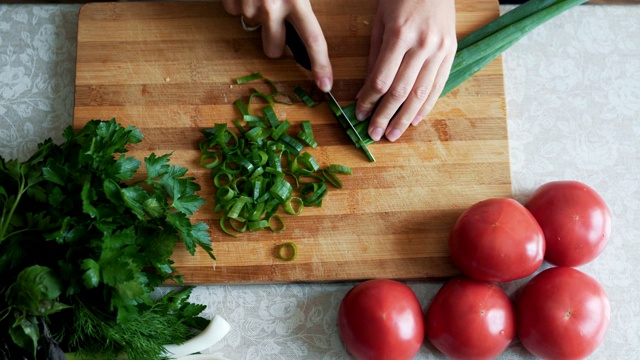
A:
(573, 101)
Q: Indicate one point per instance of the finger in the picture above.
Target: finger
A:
(420, 93)
(438, 85)
(273, 36)
(252, 11)
(233, 7)
(377, 33)
(382, 76)
(309, 29)
(403, 88)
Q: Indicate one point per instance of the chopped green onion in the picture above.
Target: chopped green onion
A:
(339, 169)
(238, 204)
(281, 129)
(281, 189)
(344, 119)
(252, 119)
(332, 178)
(239, 126)
(306, 134)
(306, 126)
(313, 193)
(261, 95)
(277, 229)
(225, 193)
(242, 107)
(223, 226)
(262, 169)
(218, 182)
(239, 224)
(287, 251)
(292, 144)
(254, 133)
(307, 139)
(271, 116)
(249, 78)
(211, 160)
(310, 179)
(289, 206)
(309, 161)
(304, 96)
(258, 225)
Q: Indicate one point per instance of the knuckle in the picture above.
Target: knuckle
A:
(399, 92)
(427, 40)
(449, 45)
(439, 86)
(380, 121)
(379, 86)
(316, 40)
(403, 123)
(269, 7)
(421, 92)
(428, 106)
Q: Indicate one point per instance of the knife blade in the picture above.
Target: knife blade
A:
(301, 56)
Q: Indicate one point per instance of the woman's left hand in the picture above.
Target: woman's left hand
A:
(413, 44)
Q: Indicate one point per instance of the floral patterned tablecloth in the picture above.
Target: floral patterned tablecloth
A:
(573, 101)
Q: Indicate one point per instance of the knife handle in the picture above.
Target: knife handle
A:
(297, 46)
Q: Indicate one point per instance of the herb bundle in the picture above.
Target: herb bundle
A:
(84, 240)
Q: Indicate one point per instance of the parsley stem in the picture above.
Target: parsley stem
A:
(16, 232)
(5, 224)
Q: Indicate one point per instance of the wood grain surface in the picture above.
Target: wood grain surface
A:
(168, 69)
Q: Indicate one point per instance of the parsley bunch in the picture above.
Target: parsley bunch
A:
(85, 239)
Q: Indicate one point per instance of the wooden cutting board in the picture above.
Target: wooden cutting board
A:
(168, 69)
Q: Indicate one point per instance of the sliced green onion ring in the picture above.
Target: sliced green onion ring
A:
(258, 225)
(239, 225)
(211, 160)
(276, 228)
(287, 251)
(332, 178)
(289, 206)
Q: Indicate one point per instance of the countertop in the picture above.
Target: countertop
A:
(573, 102)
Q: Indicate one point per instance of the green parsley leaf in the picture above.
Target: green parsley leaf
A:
(55, 173)
(126, 167)
(91, 275)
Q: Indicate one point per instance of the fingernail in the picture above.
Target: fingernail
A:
(376, 133)
(325, 84)
(393, 135)
(362, 115)
(417, 120)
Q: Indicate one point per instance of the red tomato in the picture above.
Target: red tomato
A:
(497, 240)
(470, 319)
(381, 319)
(575, 220)
(562, 313)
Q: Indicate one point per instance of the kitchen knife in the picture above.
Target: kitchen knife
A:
(301, 56)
